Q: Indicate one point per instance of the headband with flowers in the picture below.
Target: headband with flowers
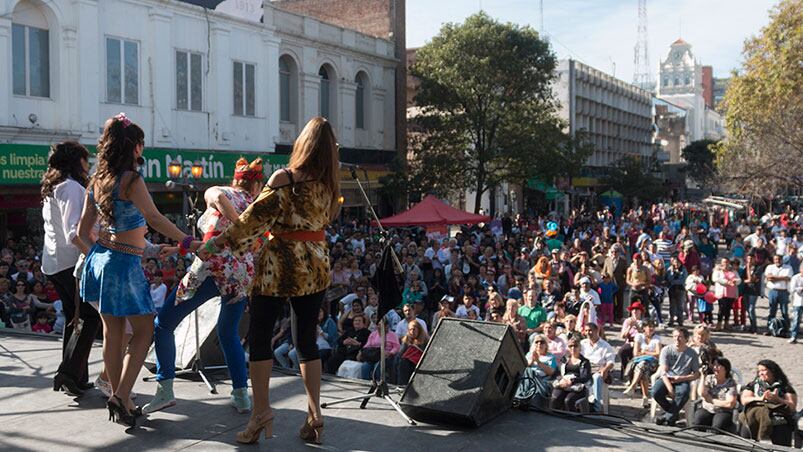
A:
(123, 119)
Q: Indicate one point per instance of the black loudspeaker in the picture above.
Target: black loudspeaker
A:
(467, 375)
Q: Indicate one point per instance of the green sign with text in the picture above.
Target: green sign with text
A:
(24, 164)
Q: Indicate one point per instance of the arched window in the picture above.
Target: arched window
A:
(325, 96)
(360, 100)
(30, 42)
(284, 90)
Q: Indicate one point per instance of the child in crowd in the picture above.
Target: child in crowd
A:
(41, 325)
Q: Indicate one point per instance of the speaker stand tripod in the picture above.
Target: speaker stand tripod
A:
(197, 367)
(379, 389)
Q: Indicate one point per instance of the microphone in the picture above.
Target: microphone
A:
(349, 165)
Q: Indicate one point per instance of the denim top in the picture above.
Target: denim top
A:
(126, 215)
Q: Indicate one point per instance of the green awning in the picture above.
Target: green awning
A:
(611, 194)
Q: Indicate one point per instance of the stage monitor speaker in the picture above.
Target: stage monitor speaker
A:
(184, 335)
(467, 374)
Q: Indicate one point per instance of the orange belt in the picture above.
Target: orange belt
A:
(302, 236)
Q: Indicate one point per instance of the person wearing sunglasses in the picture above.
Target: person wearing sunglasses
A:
(535, 387)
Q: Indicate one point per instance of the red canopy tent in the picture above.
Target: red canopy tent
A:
(431, 211)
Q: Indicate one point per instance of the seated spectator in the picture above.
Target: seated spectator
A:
(444, 310)
(20, 306)
(646, 351)
(349, 344)
(158, 290)
(516, 322)
(409, 316)
(570, 390)
(369, 355)
(344, 323)
(718, 392)
(706, 348)
(555, 344)
(469, 304)
(496, 304)
(558, 314)
(42, 325)
(23, 271)
(42, 302)
(412, 348)
(533, 314)
(601, 356)
(679, 365)
(569, 329)
(770, 402)
(412, 293)
(630, 328)
(536, 381)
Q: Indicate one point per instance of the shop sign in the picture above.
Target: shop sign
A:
(24, 164)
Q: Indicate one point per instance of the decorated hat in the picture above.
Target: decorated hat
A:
(248, 171)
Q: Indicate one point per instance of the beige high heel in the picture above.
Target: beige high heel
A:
(255, 426)
(312, 431)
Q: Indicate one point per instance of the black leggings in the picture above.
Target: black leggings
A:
(725, 306)
(264, 312)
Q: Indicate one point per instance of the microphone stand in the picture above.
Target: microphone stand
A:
(379, 389)
(190, 213)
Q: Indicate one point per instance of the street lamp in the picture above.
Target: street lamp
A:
(180, 179)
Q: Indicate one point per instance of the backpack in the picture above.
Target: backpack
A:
(777, 327)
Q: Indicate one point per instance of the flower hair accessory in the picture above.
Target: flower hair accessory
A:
(123, 119)
(248, 171)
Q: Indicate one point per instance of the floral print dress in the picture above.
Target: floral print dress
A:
(232, 274)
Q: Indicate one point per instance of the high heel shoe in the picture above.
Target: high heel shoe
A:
(312, 431)
(255, 426)
(64, 383)
(118, 413)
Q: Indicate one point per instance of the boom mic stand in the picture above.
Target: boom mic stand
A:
(190, 212)
(379, 389)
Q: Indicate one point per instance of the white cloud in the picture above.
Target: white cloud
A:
(600, 32)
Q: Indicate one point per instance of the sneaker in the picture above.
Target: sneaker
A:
(163, 398)
(240, 400)
(660, 420)
(793, 340)
(646, 402)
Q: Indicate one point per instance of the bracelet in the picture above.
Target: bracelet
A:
(211, 246)
(183, 247)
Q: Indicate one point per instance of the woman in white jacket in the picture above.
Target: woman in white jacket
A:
(726, 288)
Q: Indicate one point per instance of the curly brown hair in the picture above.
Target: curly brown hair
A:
(116, 148)
(64, 161)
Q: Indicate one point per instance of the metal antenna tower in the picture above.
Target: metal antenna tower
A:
(641, 59)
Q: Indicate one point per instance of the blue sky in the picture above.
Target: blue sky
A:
(602, 33)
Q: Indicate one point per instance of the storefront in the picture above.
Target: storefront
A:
(22, 167)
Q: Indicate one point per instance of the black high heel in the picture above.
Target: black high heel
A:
(64, 383)
(118, 413)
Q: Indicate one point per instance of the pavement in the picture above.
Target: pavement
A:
(33, 417)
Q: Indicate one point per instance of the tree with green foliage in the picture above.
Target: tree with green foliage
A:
(699, 157)
(764, 109)
(633, 180)
(485, 111)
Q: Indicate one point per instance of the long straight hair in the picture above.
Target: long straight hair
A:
(315, 152)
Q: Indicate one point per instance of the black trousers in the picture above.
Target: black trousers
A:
(74, 361)
(722, 420)
(265, 310)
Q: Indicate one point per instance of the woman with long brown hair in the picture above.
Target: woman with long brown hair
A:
(295, 206)
(63, 191)
(112, 274)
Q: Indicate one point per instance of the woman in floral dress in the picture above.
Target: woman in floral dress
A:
(223, 275)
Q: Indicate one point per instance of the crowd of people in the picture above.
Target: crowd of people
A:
(563, 284)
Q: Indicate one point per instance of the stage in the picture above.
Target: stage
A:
(33, 418)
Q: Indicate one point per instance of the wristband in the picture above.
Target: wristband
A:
(211, 246)
(187, 242)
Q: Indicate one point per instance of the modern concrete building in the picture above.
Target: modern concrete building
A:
(615, 115)
(205, 85)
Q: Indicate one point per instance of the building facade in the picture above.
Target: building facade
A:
(683, 81)
(205, 85)
(615, 115)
